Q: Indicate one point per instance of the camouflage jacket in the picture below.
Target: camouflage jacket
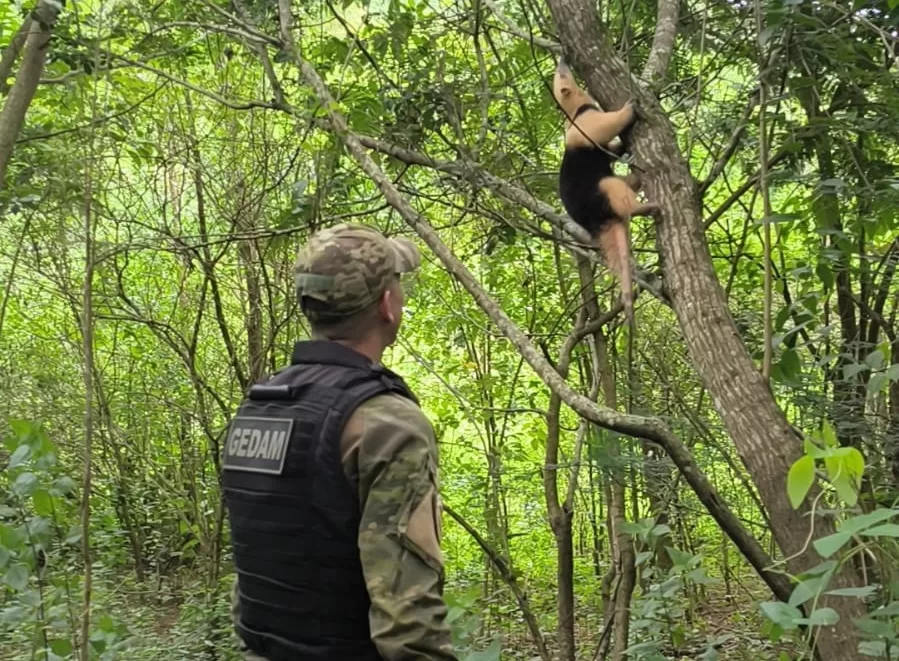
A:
(389, 451)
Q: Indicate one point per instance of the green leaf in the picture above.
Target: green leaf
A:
(826, 567)
(823, 617)
(63, 485)
(853, 592)
(13, 615)
(632, 529)
(790, 363)
(846, 490)
(877, 382)
(698, 576)
(827, 546)
(844, 468)
(828, 435)
(43, 502)
(890, 610)
(874, 360)
(886, 530)
(678, 557)
(825, 275)
(642, 557)
(851, 370)
(61, 647)
(781, 318)
(20, 455)
(661, 529)
(854, 463)
(781, 614)
(893, 373)
(863, 521)
(876, 628)
(492, 653)
(800, 479)
(25, 484)
(805, 590)
(16, 577)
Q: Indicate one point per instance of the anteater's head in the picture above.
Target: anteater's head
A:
(567, 93)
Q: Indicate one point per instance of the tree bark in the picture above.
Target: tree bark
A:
(11, 53)
(662, 42)
(245, 220)
(764, 438)
(40, 29)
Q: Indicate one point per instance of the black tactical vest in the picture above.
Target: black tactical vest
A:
(294, 516)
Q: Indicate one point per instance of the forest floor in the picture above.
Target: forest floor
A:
(152, 622)
(180, 624)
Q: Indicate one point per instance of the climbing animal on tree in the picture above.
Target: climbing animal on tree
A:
(595, 198)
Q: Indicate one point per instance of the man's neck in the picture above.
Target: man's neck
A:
(369, 348)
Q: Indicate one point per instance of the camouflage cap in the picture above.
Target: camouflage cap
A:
(347, 267)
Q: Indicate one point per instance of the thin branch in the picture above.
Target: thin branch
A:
(741, 190)
(732, 145)
(98, 121)
(518, 31)
(508, 576)
(255, 37)
(766, 201)
(199, 90)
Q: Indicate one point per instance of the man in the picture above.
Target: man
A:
(330, 477)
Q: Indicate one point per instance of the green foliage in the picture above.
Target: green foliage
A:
(879, 627)
(38, 548)
(844, 467)
(464, 621)
(194, 201)
(659, 617)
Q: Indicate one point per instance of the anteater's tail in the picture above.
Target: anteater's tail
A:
(613, 243)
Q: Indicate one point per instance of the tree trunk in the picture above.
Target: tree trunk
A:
(11, 53)
(40, 29)
(245, 220)
(763, 437)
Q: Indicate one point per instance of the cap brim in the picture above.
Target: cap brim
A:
(405, 254)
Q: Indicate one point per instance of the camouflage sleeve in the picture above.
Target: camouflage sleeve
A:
(391, 453)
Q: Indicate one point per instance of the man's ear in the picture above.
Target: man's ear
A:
(384, 306)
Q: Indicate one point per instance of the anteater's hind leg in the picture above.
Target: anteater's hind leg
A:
(648, 209)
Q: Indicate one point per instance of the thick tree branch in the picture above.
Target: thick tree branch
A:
(478, 176)
(651, 429)
(662, 42)
(40, 29)
(11, 52)
(285, 18)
